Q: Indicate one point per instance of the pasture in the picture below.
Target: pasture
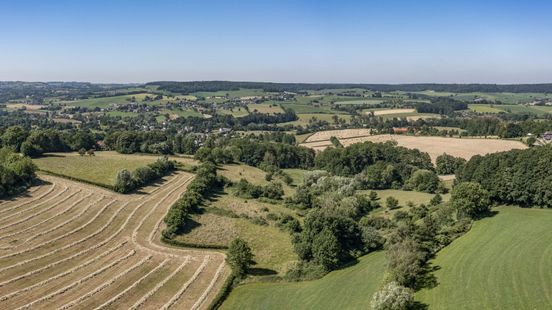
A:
(70, 245)
(307, 118)
(503, 262)
(348, 288)
(102, 168)
(434, 146)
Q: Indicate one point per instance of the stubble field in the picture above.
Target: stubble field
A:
(434, 146)
(69, 245)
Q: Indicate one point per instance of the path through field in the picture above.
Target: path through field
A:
(70, 245)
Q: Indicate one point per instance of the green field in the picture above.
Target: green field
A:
(365, 101)
(503, 262)
(510, 108)
(349, 288)
(101, 168)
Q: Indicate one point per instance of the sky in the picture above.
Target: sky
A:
(371, 41)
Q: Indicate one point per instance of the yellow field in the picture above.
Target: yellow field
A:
(434, 146)
(67, 244)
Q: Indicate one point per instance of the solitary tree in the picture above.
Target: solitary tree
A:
(470, 199)
(239, 257)
(391, 203)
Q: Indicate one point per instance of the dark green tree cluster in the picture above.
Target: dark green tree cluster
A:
(204, 182)
(245, 189)
(522, 177)
(441, 105)
(128, 181)
(356, 158)
(35, 142)
(16, 172)
(448, 164)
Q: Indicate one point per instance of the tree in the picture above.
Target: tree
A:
(326, 249)
(239, 257)
(423, 181)
(448, 164)
(392, 297)
(82, 152)
(531, 141)
(124, 182)
(391, 203)
(436, 200)
(470, 199)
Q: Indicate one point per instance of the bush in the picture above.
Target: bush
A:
(16, 172)
(124, 182)
(392, 297)
(392, 203)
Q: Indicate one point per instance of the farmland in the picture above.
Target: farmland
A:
(434, 146)
(502, 263)
(72, 245)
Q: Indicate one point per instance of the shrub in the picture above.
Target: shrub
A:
(392, 297)
(470, 199)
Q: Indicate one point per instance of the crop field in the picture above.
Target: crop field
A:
(265, 108)
(503, 262)
(367, 101)
(349, 288)
(378, 112)
(70, 245)
(434, 146)
(104, 102)
(305, 119)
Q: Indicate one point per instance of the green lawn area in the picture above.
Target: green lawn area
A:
(484, 108)
(349, 288)
(503, 262)
(101, 168)
(296, 174)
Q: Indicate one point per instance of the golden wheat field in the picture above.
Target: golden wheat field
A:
(434, 146)
(69, 245)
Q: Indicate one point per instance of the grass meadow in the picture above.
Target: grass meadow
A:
(349, 288)
(503, 262)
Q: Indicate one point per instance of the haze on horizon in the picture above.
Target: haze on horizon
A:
(395, 41)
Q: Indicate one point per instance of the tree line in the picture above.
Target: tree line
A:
(127, 181)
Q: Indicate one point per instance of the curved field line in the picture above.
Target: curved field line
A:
(126, 290)
(49, 219)
(67, 221)
(201, 299)
(57, 276)
(34, 207)
(24, 203)
(105, 284)
(78, 282)
(159, 285)
(152, 210)
(179, 294)
(76, 242)
(63, 236)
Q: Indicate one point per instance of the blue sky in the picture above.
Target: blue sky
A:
(368, 41)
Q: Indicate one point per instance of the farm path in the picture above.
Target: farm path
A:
(66, 244)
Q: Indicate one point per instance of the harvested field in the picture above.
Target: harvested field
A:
(71, 245)
(392, 111)
(434, 146)
(24, 106)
